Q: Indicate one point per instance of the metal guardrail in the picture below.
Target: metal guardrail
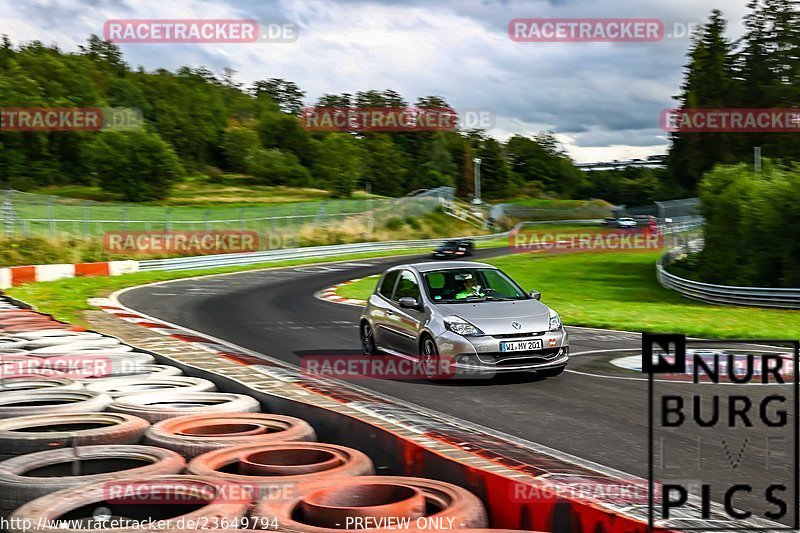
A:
(727, 294)
(311, 252)
(471, 214)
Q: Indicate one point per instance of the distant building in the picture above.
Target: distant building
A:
(653, 161)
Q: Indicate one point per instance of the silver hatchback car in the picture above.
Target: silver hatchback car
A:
(465, 317)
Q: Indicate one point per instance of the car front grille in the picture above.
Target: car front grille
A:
(519, 334)
(501, 359)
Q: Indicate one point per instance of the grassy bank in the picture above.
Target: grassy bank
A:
(37, 250)
(228, 190)
(620, 291)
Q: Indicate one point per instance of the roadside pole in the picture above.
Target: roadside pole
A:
(371, 218)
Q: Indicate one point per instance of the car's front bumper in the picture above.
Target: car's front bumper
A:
(482, 355)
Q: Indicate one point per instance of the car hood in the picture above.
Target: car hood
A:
(496, 318)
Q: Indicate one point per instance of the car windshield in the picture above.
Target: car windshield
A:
(471, 284)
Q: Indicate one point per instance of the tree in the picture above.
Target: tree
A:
(751, 237)
(139, 165)
(438, 168)
(339, 164)
(285, 93)
(466, 185)
(709, 83)
(274, 167)
(496, 176)
(385, 165)
(237, 143)
(387, 98)
(335, 100)
(279, 130)
(104, 52)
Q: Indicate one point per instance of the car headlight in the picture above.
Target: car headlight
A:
(458, 325)
(555, 321)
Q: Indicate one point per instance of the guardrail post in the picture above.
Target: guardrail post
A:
(51, 215)
(8, 214)
(86, 219)
(125, 217)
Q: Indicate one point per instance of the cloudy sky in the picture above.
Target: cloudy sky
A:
(601, 99)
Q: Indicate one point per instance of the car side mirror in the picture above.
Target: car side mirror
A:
(536, 295)
(407, 302)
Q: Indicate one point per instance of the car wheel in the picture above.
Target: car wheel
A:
(553, 372)
(430, 357)
(367, 339)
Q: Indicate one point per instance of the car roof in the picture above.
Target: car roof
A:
(428, 266)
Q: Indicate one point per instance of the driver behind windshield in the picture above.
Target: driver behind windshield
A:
(469, 287)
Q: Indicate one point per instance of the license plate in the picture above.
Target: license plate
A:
(521, 346)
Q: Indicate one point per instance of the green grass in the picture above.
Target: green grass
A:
(620, 291)
(196, 203)
(232, 190)
(556, 203)
(66, 299)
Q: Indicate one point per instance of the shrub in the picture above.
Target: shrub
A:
(136, 164)
(751, 233)
(214, 174)
(393, 224)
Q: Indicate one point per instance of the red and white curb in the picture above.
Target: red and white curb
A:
(330, 294)
(19, 275)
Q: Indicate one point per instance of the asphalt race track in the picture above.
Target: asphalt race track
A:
(594, 410)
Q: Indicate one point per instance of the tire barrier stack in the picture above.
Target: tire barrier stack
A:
(95, 434)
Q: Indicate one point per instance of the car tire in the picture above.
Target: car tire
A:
(193, 435)
(26, 403)
(17, 487)
(11, 343)
(430, 357)
(367, 335)
(42, 514)
(287, 464)
(119, 387)
(450, 502)
(155, 407)
(29, 434)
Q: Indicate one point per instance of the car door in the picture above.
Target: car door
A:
(382, 309)
(405, 323)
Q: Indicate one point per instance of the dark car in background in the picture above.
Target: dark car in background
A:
(454, 248)
(621, 222)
